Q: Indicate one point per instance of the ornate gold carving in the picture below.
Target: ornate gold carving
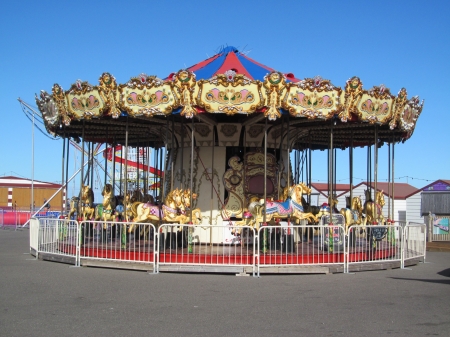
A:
(411, 112)
(230, 93)
(313, 98)
(376, 104)
(185, 85)
(109, 92)
(60, 100)
(147, 96)
(275, 85)
(352, 94)
(48, 108)
(84, 101)
(399, 105)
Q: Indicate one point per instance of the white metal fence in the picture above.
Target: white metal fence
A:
(189, 248)
(414, 241)
(282, 249)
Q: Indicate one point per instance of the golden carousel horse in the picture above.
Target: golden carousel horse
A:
(172, 211)
(353, 212)
(105, 210)
(291, 208)
(374, 210)
(73, 207)
(87, 203)
(186, 206)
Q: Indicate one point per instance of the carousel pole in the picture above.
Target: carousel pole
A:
(81, 232)
(389, 181)
(211, 205)
(172, 168)
(91, 168)
(350, 159)
(330, 188)
(123, 237)
(310, 169)
(375, 164)
(264, 243)
(393, 179)
(62, 173)
(287, 151)
(182, 153)
(280, 151)
(190, 245)
(138, 171)
(67, 170)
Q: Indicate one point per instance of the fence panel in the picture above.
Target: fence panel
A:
(283, 248)
(414, 243)
(58, 237)
(374, 244)
(132, 244)
(189, 248)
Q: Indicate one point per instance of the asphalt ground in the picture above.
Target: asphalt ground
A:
(41, 298)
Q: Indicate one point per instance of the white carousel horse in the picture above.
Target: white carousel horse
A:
(291, 208)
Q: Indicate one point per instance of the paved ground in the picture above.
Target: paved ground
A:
(40, 298)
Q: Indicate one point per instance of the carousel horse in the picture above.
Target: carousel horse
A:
(105, 210)
(247, 218)
(326, 209)
(292, 207)
(170, 211)
(119, 211)
(87, 203)
(353, 215)
(186, 206)
(353, 212)
(73, 207)
(374, 210)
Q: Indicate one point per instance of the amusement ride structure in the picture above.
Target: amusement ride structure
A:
(231, 134)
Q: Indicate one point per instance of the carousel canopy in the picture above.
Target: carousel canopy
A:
(229, 93)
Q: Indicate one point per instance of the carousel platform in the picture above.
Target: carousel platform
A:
(301, 253)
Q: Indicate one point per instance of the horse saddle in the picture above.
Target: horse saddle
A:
(282, 208)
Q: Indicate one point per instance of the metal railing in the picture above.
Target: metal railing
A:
(414, 241)
(373, 244)
(283, 248)
(118, 242)
(56, 237)
(189, 248)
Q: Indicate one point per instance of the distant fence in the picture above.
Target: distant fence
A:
(18, 217)
(189, 248)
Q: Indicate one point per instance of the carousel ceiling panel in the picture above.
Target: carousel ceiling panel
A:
(375, 105)
(230, 93)
(313, 98)
(147, 96)
(84, 101)
(229, 134)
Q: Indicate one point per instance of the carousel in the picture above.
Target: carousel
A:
(232, 141)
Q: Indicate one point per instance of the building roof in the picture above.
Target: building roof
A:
(11, 181)
(401, 190)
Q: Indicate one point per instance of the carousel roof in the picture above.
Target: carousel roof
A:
(230, 58)
(229, 99)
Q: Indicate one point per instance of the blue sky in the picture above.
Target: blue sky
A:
(396, 43)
